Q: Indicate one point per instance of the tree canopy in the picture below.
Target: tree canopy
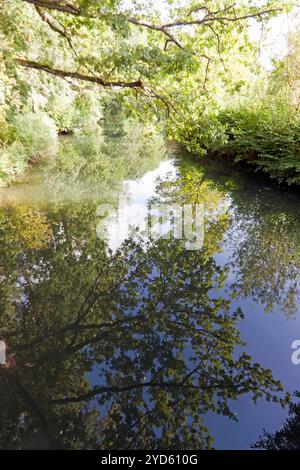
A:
(138, 46)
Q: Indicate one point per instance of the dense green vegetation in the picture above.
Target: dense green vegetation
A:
(260, 127)
(189, 67)
(264, 135)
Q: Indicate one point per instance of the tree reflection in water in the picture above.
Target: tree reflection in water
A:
(118, 351)
(263, 238)
(129, 349)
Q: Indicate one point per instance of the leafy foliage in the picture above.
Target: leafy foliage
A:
(264, 135)
(58, 57)
(257, 125)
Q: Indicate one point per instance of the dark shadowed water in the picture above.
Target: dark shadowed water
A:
(118, 339)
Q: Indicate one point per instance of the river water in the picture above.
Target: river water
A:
(117, 336)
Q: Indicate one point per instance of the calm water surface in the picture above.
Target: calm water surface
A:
(128, 342)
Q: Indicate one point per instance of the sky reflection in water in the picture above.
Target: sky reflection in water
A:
(138, 346)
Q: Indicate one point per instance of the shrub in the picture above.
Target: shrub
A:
(37, 133)
(62, 111)
(266, 136)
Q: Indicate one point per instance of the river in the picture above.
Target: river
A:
(123, 334)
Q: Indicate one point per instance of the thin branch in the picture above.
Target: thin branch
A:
(68, 7)
(80, 328)
(240, 388)
(213, 18)
(163, 30)
(206, 73)
(197, 9)
(55, 26)
(218, 44)
(170, 107)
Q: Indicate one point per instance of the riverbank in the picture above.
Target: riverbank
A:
(264, 138)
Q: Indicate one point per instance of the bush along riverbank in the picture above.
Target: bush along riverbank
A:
(264, 136)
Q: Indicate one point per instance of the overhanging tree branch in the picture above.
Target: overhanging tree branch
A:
(78, 76)
(64, 74)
